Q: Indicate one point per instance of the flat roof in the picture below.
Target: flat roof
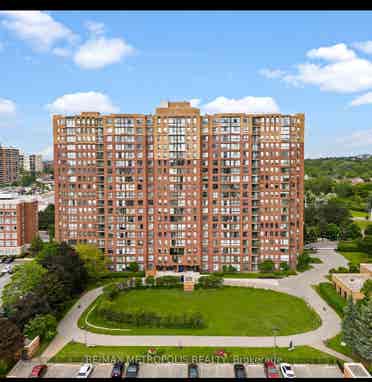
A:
(357, 370)
(353, 281)
(367, 266)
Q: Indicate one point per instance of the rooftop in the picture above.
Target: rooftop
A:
(367, 266)
(357, 370)
(353, 281)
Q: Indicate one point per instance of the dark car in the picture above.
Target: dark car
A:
(132, 370)
(117, 370)
(271, 370)
(9, 260)
(38, 371)
(239, 371)
(193, 371)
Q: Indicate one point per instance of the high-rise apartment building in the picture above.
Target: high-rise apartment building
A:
(178, 190)
(18, 223)
(9, 164)
(33, 163)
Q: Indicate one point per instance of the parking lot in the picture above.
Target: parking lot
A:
(174, 370)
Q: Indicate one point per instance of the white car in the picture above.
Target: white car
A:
(85, 371)
(7, 269)
(287, 370)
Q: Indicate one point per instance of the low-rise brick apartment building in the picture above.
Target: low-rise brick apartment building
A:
(178, 190)
(18, 223)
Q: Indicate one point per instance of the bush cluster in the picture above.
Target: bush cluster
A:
(328, 292)
(141, 318)
(348, 246)
(212, 281)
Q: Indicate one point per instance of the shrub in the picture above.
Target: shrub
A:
(141, 318)
(109, 275)
(348, 246)
(150, 281)
(168, 282)
(339, 270)
(328, 292)
(211, 281)
(266, 266)
(44, 326)
(284, 266)
(111, 290)
(138, 282)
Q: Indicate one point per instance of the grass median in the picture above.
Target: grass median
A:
(78, 352)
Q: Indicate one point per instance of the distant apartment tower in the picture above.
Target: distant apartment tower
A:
(9, 165)
(33, 163)
(18, 223)
(178, 190)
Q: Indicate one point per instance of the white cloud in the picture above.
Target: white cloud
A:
(242, 105)
(362, 100)
(7, 106)
(47, 152)
(61, 52)
(195, 102)
(100, 52)
(359, 138)
(38, 28)
(338, 52)
(343, 73)
(79, 102)
(95, 27)
(364, 46)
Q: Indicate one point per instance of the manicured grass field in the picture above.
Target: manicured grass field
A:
(77, 352)
(228, 311)
(358, 214)
(356, 257)
(362, 223)
(335, 344)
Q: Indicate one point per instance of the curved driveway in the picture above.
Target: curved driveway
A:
(299, 285)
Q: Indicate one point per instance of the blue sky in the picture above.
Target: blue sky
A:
(319, 63)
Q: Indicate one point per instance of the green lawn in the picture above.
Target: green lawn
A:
(335, 344)
(77, 352)
(228, 311)
(362, 223)
(328, 293)
(356, 257)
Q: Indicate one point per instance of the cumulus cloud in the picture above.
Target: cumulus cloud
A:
(364, 46)
(362, 100)
(37, 28)
(79, 102)
(7, 106)
(95, 27)
(342, 72)
(243, 105)
(100, 52)
(338, 52)
(359, 138)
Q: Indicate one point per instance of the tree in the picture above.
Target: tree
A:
(26, 278)
(36, 245)
(27, 307)
(46, 217)
(368, 230)
(93, 259)
(63, 260)
(362, 343)
(365, 245)
(44, 326)
(332, 231)
(133, 267)
(351, 231)
(348, 328)
(11, 340)
(311, 234)
(303, 261)
(266, 266)
(284, 267)
(367, 289)
(55, 293)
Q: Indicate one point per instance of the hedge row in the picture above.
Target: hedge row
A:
(348, 246)
(141, 318)
(109, 275)
(328, 292)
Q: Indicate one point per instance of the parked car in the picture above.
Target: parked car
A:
(132, 370)
(239, 371)
(38, 371)
(117, 370)
(193, 371)
(85, 371)
(9, 268)
(9, 260)
(3, 259)
(4, 271)
(271, 370)
(287, 370)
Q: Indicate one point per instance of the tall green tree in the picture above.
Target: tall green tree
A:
(36, 245)
(93, 259)
(26, 278)
(44, 326)
(367, 289)
(363, 331)
(348, 323)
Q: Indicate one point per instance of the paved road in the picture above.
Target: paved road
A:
(174, 370)
(299, 285)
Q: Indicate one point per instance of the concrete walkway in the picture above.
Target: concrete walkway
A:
(299, 285)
